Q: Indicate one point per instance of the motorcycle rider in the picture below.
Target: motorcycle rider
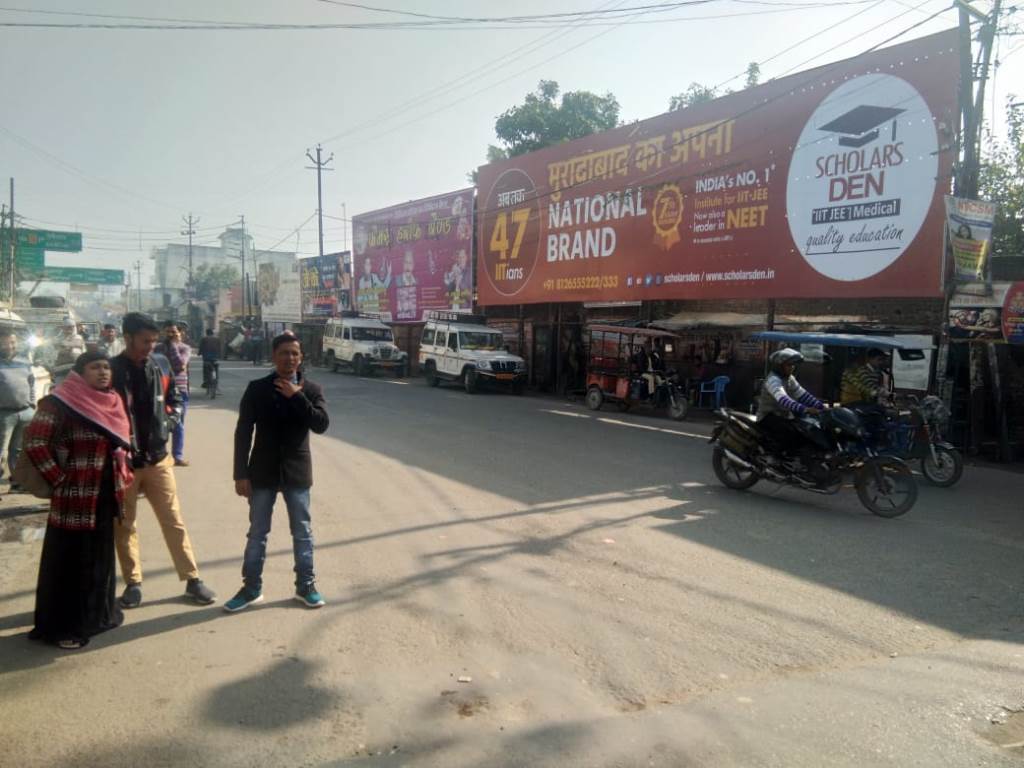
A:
(782, 399)
(864, 384)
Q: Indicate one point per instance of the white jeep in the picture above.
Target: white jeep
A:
(364, 344)
(461, 348)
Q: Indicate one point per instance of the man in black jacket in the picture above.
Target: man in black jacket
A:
(145, 382)
(282, 408)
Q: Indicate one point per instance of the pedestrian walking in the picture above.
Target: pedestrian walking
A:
(282, 408)
(78, 441)
(145, 382)
(178, 354)
(17, 401)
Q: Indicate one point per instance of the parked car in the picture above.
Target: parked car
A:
(364, 344)
(460, 348)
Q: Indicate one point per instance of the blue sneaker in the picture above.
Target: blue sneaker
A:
(308, 596)
(243, 599)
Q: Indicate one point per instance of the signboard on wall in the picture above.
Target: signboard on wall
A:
(322, 282)
(415, 257)
(827, 183)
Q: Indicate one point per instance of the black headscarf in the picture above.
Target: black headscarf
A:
(89, 357)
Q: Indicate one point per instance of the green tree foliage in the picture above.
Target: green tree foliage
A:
(695, 94)
(209, 280)
(544, 119)
(699, 94)
(1001, 181)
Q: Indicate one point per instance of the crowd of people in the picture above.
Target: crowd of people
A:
(98, 443)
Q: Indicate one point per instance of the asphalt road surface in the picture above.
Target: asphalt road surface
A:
(517, 581)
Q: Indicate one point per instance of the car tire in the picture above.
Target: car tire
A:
(331, 362)
(360, 366)
(430, 373)
(470, 381)
(595, 398)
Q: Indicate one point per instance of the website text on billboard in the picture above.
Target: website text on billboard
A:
(824, 183)
(415, 257)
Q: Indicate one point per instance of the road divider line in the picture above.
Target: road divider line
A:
(621, 423)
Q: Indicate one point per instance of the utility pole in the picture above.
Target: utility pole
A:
(190, 222)
(319, 166)
(138, 283)
(972, 102)
(245, 282)
(13, 243)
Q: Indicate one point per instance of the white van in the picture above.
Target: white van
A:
(461, 348)
(362, 343)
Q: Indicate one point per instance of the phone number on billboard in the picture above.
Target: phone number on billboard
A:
(588, 283)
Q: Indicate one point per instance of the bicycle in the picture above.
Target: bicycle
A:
(211, 377)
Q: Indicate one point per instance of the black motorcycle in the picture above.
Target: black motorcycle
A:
(832, 446)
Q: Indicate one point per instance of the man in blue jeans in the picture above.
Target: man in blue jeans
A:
(282, 408)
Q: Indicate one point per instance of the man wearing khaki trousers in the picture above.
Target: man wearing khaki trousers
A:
(146, 384)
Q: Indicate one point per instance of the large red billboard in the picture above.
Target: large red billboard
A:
(415, 257)
(826, 183)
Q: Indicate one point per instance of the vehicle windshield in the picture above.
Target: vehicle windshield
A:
(372, 334)
(481, 340)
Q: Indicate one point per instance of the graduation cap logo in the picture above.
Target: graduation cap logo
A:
(861, 124)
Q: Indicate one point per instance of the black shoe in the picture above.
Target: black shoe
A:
(132, 596)
(199, 592)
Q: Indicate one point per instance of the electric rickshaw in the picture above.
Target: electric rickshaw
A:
(619, 370)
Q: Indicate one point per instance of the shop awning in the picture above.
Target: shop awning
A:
(689, 321)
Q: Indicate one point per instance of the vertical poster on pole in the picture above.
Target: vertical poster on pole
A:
(969, 226)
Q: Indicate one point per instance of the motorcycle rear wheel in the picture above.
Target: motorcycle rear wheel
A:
(889, 492)
(947, 470)
(732, 475)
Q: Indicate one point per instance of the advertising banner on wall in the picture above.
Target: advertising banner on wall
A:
(415, 257)
(969, 224)
(827, 183)
(976, 311)
(1013, 314)
(322, 284)
(279, 292)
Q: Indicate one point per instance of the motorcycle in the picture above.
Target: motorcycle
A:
(916, 434)
(836, 445)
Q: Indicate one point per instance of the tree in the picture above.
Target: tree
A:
(543, 120)
(699, 94)
(209, 280)
(1001, 181)
(695, 94)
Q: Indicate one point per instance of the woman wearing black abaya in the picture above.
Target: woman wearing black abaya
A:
(78, 440)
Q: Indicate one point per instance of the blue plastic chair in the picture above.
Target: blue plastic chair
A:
(713, 388)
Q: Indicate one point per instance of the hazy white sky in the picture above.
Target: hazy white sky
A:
(128, 130)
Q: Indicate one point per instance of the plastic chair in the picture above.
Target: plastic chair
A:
(713, 388)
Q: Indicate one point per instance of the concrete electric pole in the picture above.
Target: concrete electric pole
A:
(189, 230)
(138, 283)
(319, 166)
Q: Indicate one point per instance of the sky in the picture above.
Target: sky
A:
(119, 133)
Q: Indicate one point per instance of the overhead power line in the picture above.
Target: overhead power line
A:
(510, 24)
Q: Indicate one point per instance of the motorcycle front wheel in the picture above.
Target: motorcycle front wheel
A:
(886, 487)
(732, 475)
(945, 469)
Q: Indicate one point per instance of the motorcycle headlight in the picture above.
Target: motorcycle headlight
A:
(483, 365)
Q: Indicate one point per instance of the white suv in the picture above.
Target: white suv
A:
(364, 344)
(461, 348)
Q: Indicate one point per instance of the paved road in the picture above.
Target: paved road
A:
(612, 605)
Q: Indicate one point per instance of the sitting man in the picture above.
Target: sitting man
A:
(209, 351)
